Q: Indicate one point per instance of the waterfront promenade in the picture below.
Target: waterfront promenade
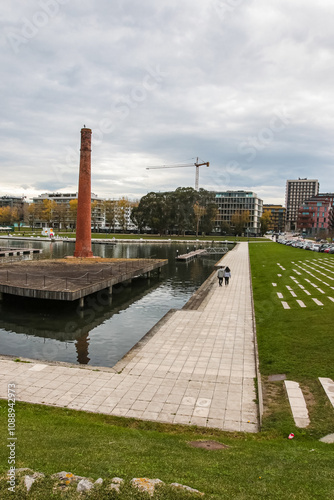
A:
(196, 367)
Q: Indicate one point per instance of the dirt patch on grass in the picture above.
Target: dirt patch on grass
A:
(208, 445)
(274, 397)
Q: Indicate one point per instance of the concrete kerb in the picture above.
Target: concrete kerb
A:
(256, 352)
(21, 359)
(201, 293)
(121, 364)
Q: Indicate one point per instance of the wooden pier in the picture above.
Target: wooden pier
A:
(71, 279)
(14, 251)
(186, 257)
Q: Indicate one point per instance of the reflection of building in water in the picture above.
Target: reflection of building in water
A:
(82, 348)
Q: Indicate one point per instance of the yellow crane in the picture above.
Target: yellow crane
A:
(182, 165)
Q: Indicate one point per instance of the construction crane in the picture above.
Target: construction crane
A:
(196, 164)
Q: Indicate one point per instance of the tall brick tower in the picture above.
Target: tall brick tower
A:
(83, 244)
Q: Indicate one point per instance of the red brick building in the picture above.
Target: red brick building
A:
(316, 215)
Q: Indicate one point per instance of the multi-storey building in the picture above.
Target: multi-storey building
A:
(316, 215)
(13, 202)
(16, 203)
(277, 217)
(121, 218)
(297, 191)
(232, 202)
(64, 217)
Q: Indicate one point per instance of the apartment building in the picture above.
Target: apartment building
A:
(297, 192)
(277, 217)
(63, 215)
(316, 215)
(231, 202)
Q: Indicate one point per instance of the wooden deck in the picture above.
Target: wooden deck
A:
(14, 251)
(186, 257)
(71, 279)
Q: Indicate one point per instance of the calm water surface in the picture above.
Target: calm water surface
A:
(103, 332)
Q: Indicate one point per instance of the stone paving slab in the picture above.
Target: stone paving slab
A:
(198, 368)
(297, 403)
(328, 385)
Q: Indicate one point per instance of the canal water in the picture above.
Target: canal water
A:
(104, 332)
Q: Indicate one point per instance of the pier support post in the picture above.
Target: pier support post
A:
(109, 290)
(81, 303)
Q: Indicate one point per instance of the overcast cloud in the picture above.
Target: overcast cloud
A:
(245, 85)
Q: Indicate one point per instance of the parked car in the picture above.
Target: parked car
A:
(328, 248)
(299, 244)
(316, 247)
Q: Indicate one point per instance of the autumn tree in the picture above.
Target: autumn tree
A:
(47, 211)
(110, 212)
(6, 215)
(60, 214)
(122, 210)
(239, 221)
(73, 211)
(265, 220)
(34, 213)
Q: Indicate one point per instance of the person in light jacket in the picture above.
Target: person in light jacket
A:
(220, 275)
(227, 275)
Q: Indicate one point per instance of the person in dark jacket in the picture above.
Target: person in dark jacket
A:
(227, 275)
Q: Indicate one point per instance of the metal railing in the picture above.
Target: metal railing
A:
(25, 279)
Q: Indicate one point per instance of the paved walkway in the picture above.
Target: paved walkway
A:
(198, 368)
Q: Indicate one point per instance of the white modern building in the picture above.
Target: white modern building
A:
(66, 218)
(231, 202)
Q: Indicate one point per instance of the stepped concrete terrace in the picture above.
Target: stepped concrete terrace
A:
(196, 366)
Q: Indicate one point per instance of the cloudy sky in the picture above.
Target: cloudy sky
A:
(244, 84)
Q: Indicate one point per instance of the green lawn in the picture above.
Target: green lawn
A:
(297, 342)
(265, 465)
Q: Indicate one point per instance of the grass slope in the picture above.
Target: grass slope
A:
(298, 342)
(51, 440)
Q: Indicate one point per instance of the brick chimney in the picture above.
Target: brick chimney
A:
(83, 244)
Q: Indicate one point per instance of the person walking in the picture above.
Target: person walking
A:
(220, 275)
(227, 275)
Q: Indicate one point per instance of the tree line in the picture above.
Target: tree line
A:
(13, 215)
(182, 211)
(176, 212)
(64, 214)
